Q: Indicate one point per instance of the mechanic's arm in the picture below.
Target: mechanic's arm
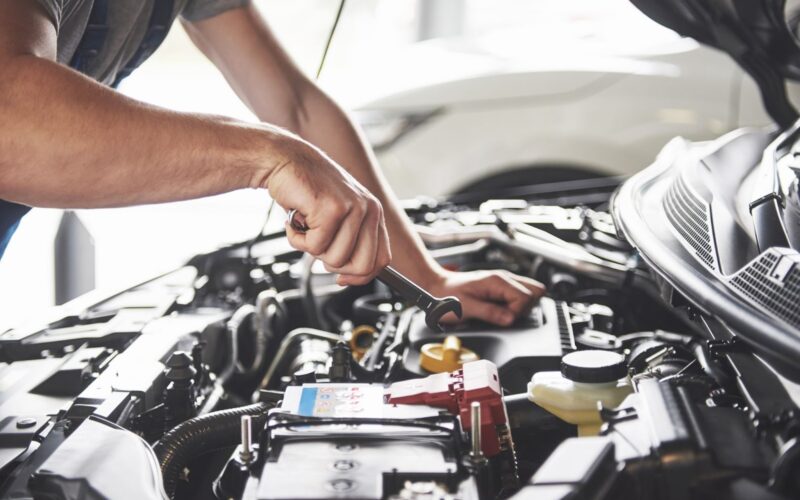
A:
(67, 141)
(240, 43)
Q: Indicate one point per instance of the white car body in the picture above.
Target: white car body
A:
(604, 102)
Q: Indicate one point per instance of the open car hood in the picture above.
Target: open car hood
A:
(754, 32)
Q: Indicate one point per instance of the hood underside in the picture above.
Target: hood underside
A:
(754, 32)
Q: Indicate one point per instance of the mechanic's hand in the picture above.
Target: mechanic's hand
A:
(346, 230)
(497, 297)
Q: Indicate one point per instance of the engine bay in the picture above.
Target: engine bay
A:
(250, 374)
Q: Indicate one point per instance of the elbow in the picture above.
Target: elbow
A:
(10, 68)
(291, 108)
(292, 119)
(294, 116)
(19, 78)
(15, 70)
(9, 180)
(23, 112)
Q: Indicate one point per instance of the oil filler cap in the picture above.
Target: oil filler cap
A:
(448, 356)
(593, 366)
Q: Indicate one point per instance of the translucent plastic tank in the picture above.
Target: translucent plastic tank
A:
(587, 379)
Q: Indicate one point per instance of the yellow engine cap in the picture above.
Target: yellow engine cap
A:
(445, 357)
(361, 339)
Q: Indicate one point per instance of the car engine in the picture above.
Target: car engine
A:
(250, 374)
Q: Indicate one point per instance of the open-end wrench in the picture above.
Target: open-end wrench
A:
(434, 307)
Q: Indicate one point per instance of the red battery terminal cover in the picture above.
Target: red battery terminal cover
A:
(455, 392)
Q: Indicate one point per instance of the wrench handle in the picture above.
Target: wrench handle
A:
(406, 288)
(297, 221)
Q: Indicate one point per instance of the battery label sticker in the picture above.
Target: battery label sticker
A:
(307, 399)
(348, 401)
(345, 400)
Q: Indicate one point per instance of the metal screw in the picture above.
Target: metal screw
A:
(341, 485)
(345, 447)
(475, 417)
(25, 423)
(421, 487)
(344, 465)
(246, 453)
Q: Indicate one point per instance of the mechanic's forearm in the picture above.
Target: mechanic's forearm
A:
(67, 141)
(324, 124)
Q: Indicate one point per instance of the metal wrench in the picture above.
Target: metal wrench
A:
(434, 307)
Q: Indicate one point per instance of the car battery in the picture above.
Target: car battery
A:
(342, 440)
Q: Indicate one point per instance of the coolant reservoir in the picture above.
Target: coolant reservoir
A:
(586, 378)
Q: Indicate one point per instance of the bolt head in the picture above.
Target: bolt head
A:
(345, 447)
(342, 485)
(344, 465)
(180, 367)
(179, 359)
(421, 487)
(26, 423)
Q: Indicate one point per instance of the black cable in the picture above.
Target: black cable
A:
(373, 356)
(309, 300)
(424, 439)
(290, 420)
(200, 435)
(312, 310)
(784, 469)
(258, 236)
(330, 38)
(319, 72)
(361, 421)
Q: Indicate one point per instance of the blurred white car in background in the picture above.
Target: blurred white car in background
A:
(498, 93)
(588, 96)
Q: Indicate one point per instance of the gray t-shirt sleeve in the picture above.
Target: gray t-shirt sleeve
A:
(196, 10)
(53, 8)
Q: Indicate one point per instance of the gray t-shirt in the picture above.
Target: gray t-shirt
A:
(127, 25)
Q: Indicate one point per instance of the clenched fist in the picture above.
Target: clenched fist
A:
(345, 224)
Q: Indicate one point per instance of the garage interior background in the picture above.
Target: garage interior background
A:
(132, 244)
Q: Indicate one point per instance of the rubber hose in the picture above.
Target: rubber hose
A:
(243, 318)
(310, 306)
(709, 365)
(784, 470)
(202, 434)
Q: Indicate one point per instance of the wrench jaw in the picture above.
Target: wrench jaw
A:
(439, 309)
(434, 307)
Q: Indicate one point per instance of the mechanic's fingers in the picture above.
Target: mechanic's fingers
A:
(320, 227)
(340, 251)
(384, 257)
(487, 311)
(535, 287)
(297, 239)
(381, 258)
(362, 260)
(518, 298)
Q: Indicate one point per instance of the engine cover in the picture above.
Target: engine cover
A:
(534, 343)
